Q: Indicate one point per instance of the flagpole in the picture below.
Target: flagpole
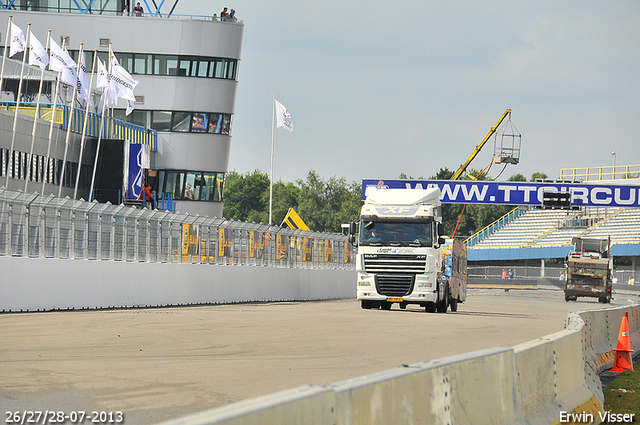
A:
(273, 118)
(4, 57)
(71, 110)
(35, 119)
(10, 163)
(84, 125)
(53, 113)
(95, 162)
(105, 105)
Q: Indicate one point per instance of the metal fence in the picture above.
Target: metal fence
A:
(552, 271)
(47, 226)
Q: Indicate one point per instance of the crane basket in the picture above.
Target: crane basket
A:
(506, 145)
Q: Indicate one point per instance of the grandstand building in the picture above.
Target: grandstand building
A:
(187, 69)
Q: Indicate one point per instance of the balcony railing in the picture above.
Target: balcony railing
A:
(113, 128)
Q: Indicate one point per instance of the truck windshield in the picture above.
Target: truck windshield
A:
(396, 233)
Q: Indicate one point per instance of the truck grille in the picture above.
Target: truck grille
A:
(390, 263)
(395, 285)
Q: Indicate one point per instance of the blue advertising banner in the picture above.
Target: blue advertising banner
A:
(597, 194)
(135, 171)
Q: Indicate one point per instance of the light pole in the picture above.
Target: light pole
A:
(614, 164)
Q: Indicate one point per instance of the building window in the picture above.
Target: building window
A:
(181, 121)
(174, 184)
(161, 120)
(165, 65)
(199, 123)
(175, 65)
(142, 64)
(192, 185)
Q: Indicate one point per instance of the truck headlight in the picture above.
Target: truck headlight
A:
(364, 283)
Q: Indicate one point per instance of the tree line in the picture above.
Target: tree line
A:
(325, 204)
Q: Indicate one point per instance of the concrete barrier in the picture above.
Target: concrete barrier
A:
(532, 383)
(90, 284)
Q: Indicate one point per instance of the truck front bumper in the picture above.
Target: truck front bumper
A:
(423, 290)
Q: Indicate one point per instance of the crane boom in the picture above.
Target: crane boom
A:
(464, 166)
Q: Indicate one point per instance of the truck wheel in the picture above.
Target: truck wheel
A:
(444, 303)
(454, 304)
(366, 305)
(430, 308)
(385, 305)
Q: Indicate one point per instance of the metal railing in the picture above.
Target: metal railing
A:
(50, 227)
(494, 227)
(550, 271)
(118, 128)
(600, 173)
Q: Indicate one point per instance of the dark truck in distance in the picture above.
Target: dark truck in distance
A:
(589, 270)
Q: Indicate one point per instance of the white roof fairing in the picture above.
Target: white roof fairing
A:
(377, 196)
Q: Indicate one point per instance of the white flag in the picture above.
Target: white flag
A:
(130, 106)
(59, 60)
(37, 53)
(83, 84)
(283, 117)
(103, 78)
(122, 81)
(18, 43)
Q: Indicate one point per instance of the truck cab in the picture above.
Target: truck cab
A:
(399, 257)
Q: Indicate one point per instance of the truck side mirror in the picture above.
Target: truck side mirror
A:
(352, 233)
(441, 240)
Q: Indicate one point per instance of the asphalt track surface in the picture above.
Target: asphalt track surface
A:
(157, 364)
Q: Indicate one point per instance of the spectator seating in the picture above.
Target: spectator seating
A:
(538, 227)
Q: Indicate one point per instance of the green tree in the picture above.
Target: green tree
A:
(325, 205)
(243, 195)
(517, 178)
(538, 175)
(285, 196)
(443, 174)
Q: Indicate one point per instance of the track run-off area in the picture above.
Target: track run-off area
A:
(161, 363)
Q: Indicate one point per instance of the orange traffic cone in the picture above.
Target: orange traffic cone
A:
(623, 361)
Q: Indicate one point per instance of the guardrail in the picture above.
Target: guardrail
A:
(541, 382)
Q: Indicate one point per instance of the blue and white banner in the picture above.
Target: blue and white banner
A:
(135, 171)
(597, 194)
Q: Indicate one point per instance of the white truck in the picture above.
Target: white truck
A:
(399, 257)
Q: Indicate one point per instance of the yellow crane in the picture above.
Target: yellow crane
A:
(464, 166)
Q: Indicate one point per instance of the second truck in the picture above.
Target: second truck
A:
(589, 270)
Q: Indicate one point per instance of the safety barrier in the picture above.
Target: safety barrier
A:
(47, 226)
(538, 382)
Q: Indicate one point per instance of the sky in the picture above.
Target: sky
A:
(376, 89)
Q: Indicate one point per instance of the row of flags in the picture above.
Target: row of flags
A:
(114, 82)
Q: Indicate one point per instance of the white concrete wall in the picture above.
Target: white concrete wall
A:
(37, 284)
